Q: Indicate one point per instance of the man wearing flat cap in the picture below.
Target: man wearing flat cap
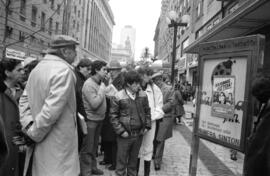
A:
(52, 103)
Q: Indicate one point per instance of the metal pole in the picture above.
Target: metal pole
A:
(174, 51)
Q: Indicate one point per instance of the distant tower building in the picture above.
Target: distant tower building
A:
(128, 32)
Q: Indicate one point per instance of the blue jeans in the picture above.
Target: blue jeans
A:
(88, 151)
(127, 155)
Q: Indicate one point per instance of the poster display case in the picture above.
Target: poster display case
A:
(225, 105)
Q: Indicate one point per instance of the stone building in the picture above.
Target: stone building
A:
(96, 23)
(27, 26)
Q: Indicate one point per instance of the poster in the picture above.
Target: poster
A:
(222, 123)
(223, 96)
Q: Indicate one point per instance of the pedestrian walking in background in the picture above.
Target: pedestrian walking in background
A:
(93, 94)
(131, 118)
(52, 103)
(155, 99)
(179, 106)
(82, 72)
(164, 126)
(108, 136)
(11, 74)
(258, 155)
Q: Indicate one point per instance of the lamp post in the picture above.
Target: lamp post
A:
(173, 23)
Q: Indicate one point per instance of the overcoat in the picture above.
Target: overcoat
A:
(10, 114)
(155, 99)
(52, 102)
(258, 155)
(165, 125)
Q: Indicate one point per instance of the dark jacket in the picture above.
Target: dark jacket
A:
(258, 153)
(107, 132)
(120, 111)
(10, 114)
(179, 102)
(165, 125)
(79, 101)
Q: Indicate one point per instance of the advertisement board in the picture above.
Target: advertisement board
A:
(221, 108)
(225, 107)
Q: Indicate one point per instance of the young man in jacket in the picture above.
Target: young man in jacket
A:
(82, 72)
(164, 126)
(93, 94)
(131, 118)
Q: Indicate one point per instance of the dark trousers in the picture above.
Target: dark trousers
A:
(110, 149)
(88, 151)
(158, 151)
(127, 155)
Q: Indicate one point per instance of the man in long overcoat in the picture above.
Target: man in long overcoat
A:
(52, 103)
(164, 126)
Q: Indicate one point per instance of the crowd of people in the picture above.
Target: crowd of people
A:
(53, 115)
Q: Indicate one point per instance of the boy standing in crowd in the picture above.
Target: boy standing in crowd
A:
(131, 118)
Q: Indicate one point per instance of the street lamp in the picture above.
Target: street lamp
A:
(172, 19)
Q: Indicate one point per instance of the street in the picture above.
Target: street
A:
(214, 160)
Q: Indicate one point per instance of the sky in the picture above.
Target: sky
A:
(142, 15)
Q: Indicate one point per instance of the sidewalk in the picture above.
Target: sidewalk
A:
(214, 160)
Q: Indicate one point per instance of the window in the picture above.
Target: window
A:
(50, 26)
(9, 31)
(42, 23)
(56, 27)
(22, 10)
(79, 14)
(45, 1)
(74, 24)
(34, 16)
(78, 26)
(58, 9)
(21, 36)
(52, 4)
(75, 9)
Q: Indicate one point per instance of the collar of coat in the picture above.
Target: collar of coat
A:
(56, 58)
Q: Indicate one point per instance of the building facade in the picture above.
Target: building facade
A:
(27, 26)
(95, 35)
(210, 20)
(128, 33)
(122, 53)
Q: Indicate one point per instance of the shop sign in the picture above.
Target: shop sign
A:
(15, 54)
(192, 60)
(182, 63)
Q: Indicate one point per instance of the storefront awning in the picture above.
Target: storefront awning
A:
(250, 16)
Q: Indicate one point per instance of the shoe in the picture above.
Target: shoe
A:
(112, 167)
(157, 167)
(97, 171)
(233, 157)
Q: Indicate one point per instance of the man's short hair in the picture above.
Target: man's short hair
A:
(261, 87)
(145, 71)
(97, 65)
(9, 65)
(84, 63)
(131, 77)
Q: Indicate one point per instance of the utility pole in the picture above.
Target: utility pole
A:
(6, 7)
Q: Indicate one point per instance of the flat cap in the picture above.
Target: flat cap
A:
(59, 41)
(114, 65)
(157, 74)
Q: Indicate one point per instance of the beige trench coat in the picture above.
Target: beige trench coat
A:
(51, 98)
